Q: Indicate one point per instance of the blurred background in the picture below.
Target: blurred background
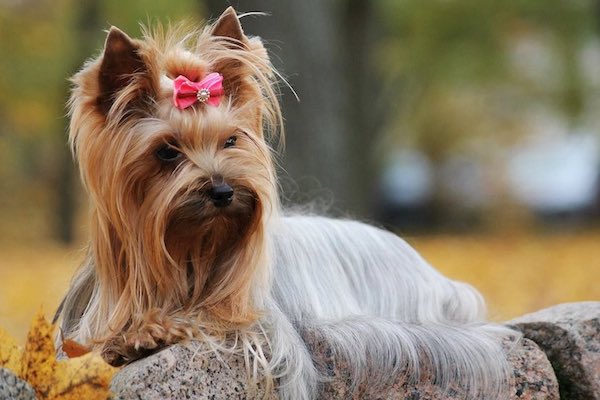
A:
(470, 127)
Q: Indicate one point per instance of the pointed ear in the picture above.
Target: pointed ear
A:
(228, 25)
(119, 62)
(248, 59)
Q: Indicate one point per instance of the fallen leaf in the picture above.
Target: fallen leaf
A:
(10, 353)
(87, 377)
(39, 365)
(74, 349)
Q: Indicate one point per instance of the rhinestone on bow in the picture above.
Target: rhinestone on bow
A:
(203, 95)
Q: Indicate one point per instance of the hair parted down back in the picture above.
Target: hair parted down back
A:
(166, 264)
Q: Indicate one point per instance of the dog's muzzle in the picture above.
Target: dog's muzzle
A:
(221, 194)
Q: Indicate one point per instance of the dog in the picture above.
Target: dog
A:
(173, 136)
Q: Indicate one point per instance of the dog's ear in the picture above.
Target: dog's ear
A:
(120, 62)
(248, 57)
(228, 26)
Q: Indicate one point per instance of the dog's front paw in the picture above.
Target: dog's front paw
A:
(130, 346)
(146, 336)
(113, 351)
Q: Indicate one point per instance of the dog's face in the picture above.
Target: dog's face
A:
(180, 195)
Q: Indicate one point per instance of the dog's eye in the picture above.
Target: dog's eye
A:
(230, 142)
(168, 153)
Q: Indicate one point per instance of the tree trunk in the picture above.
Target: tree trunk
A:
(328, 136)
(87, 25)
(364, 103)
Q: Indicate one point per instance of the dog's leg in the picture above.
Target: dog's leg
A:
(152, 333)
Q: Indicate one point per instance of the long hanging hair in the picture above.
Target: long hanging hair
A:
(146, 262)
(162, 267)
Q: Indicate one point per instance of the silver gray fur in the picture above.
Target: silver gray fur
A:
(376, 302)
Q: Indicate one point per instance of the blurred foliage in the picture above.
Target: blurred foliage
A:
(42, 43)
(454, 66)
(128, 15)
(32, 70)
(453, 71)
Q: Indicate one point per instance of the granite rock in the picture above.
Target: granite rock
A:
(569, 334)
(533, 378)
(13, 388)
(184, 371)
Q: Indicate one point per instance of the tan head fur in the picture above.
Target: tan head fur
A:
(165, 254)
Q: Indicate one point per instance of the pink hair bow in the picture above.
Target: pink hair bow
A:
(209, 90)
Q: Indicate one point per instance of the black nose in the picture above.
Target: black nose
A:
(221, 194)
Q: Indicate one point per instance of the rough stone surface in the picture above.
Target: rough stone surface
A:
(184, 371)
(14, 388)
(533, 378)
(569, 334)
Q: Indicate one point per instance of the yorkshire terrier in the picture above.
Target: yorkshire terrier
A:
(188, 241)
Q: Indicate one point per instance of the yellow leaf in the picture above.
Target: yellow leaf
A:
(38, 364)
(10, 353)
(86, 377)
